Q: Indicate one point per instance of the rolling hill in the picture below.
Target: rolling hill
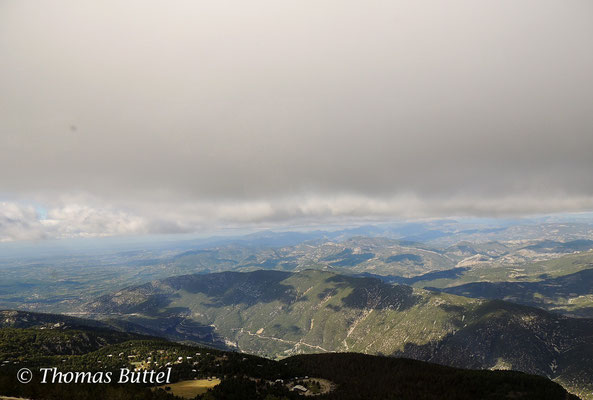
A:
(25, 334)
(570, 294)
(344, 376)
(278, 314)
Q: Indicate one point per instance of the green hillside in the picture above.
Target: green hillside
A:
(344, 376)
(563, 285)
(26, 335)
(278, 314)
(495, 271)
(570, 294)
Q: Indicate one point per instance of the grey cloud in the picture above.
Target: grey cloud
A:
(18, 222)
(89, 217)
(22, 222)
(253, 111)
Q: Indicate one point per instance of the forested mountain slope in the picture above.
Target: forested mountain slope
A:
(277, 314)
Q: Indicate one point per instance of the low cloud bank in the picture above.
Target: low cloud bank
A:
(90, 217)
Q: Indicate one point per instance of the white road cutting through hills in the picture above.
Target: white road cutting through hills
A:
(301, 343)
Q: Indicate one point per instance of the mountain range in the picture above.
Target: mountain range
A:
(278, 314)
(46, 339)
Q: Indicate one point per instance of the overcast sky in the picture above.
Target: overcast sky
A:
(154, 116)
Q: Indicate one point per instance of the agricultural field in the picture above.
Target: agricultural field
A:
(190, 389)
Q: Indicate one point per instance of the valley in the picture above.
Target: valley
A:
(521, 305)
(277, 314)
(233, 375)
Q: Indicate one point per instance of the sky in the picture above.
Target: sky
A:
(153, 117)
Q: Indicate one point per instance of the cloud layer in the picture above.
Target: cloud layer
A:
(174, 116)
(86, 217)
